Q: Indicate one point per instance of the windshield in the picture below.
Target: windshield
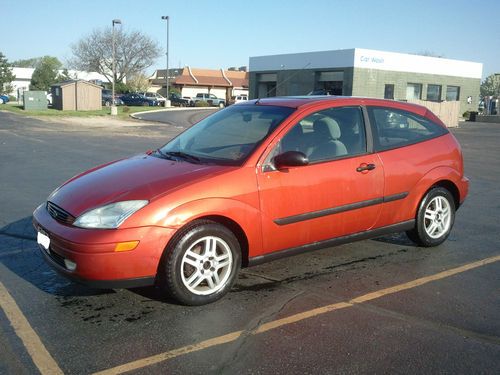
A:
(229, 136)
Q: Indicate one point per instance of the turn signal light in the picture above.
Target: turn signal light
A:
(126, 246)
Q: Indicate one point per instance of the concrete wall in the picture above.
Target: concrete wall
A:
(490, 118)
(371, 83)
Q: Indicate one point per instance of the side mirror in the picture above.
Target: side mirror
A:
(290, 159)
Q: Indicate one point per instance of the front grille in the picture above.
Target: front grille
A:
(59, 214)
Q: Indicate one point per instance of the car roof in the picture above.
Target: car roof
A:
(310, 100)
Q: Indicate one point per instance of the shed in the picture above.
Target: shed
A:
(76, 95)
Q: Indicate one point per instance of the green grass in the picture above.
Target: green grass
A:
(50, 112)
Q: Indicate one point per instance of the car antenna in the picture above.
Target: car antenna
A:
(289, 78)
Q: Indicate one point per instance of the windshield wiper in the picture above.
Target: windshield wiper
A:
(163, 155)
(183, 155)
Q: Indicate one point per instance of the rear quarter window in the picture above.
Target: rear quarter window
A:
(393, 128)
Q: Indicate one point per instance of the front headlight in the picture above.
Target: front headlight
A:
(109, 216)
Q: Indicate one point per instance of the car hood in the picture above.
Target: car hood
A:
(140, 177)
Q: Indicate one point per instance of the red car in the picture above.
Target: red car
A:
(251, 183)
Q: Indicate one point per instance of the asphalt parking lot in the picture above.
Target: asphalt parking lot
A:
(377, 306)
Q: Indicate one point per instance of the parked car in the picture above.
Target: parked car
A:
(321, 92)
(154, 95)
(4, 99)
(107, 98)
(210, 99)
(176, 100)
(190, 100)
(137, 99)
(255, 182)
(240, 98)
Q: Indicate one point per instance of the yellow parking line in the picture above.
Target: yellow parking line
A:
(39, 354)
(230, 337)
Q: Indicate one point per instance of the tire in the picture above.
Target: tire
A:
(107, 103)
(1, 101)
(191, 272)
(435, 218)
(221, 105)
(145, 104)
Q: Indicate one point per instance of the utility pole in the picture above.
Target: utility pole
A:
(167, 102)
(114, 110)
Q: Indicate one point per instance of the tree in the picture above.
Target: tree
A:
(491, 85)
(429, 54)
(27, 63)
(138, 82)
(45, 74)
(6, 76)
(134, 53)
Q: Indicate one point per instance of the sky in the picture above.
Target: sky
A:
(219, 34)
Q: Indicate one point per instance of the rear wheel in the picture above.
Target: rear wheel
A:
(435, 218)
(202, 263)
(145, 104)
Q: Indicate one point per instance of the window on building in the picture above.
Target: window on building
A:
(266, 85)
(396, 128)
(328, 83)
(434, 93)
(389, 91)
(413, 91)
(452, 93)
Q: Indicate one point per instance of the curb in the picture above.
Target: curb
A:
(133, 115)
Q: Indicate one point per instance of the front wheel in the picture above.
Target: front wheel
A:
(435, 218)
(221, 105)
(202, 263)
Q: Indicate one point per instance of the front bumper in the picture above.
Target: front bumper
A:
(93, 251)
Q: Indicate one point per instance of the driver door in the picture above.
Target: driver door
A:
(330, 197)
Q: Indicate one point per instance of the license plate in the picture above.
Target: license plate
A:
(43, 240)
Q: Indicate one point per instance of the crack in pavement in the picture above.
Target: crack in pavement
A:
(250, 332)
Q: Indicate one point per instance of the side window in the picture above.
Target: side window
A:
(326, 135)
(395, 128)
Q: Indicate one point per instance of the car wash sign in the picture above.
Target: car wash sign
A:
(402, 62)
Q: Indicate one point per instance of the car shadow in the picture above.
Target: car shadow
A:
(20, 253)
(396, 239)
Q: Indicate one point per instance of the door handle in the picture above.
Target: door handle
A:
(365, 167)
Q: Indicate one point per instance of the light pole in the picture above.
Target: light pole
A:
(114, 110)
(167, 102)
